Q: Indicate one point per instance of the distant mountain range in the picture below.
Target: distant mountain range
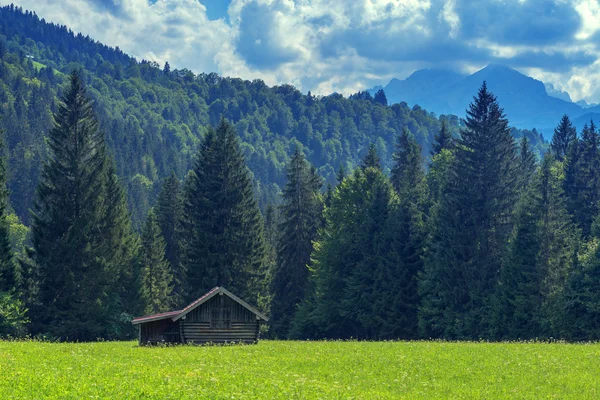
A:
(527, 102)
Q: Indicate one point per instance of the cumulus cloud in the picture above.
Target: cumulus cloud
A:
(345, 46)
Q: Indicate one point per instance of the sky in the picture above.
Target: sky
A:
(345, 46)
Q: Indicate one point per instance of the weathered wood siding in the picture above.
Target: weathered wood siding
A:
(164, 330)
(220, 320)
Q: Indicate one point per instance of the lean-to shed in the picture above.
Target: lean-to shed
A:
(217, 317)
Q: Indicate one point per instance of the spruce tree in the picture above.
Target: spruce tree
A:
(8, 274)
(226, 245)
(169, 212)
(156, 273)
(564, 135)
(471, 227)
(300, 220)
(341, 174)
(80, 229)
(371, 159)
(584, 204)
(408, 179)
(559, 244)
(349, 260)
(525, 165)
(519, 293)
(442, 140)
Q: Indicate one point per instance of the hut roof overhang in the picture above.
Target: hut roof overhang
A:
(176, 315)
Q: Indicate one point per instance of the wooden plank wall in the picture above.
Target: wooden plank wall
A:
(197, 325)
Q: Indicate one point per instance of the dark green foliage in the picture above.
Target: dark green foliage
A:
(442, 140)
(351, 262)
(408, 179)
(156, 273)
(380, 98)
(169, 213)
(564, 135)
(226, 247)
(525, 165)
(559, 243)
(79, 229)
(300, 217)
(582, 311)
(371, 159)
(8, 273)
(519, 294)
(470, 227)
(341, 174)
(584, 183)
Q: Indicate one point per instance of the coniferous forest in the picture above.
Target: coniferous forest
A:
(130, 189)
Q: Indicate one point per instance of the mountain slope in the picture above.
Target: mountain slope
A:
(154, 118)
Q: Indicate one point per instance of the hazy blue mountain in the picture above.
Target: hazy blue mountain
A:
(525, 100)
(559, 94)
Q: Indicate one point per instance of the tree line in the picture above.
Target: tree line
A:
(485, 240)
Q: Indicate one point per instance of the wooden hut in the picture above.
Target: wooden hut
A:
(217, 317)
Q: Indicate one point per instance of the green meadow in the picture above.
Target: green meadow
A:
(300, 370)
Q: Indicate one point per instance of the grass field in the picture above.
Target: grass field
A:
(300, 370)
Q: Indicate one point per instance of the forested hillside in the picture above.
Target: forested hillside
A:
(154, 117)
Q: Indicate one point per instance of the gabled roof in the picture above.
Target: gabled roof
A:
(175, 315)
(155, 317)
(212, 293)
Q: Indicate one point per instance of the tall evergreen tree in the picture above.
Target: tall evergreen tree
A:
(156, 273)
(380, 98)
(564, 135)
(300, 220)
(471, 227)
(77, 248)
(519, 293)
(525, 165)
(559, 244)
(372, 159)
(442, 140)
(169, 212)
(349, 259)
(8, 274)
(585, 192)
(226, 247)
(408, 179)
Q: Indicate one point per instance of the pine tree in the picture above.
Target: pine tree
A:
(564, 135)
(559, 244)
(585, 193)
(78, 214)
(471, 226)
(380, 98)
(169, 211)
(349, 258)
(408, 179)
(341, 174)
(519, 294)
(442, 140)
(372, 159)
(226, 247)
(156, 273)
(526, 165)
(8, 273)
(300, 220)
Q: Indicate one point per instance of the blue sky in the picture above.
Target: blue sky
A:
(348, 45)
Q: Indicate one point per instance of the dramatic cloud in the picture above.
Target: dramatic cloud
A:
(345, 46)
